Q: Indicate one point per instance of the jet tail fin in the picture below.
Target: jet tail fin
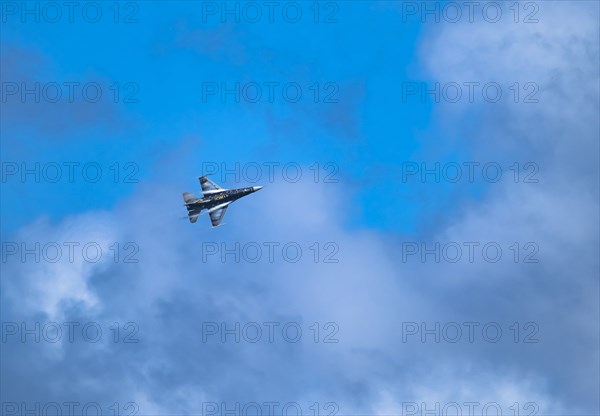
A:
(193, 211)
(187, 197)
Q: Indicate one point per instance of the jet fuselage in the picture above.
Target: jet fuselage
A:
(212, 200)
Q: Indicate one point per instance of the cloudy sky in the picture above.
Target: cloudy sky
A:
(426, 242)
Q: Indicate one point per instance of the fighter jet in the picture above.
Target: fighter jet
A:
(215, 200)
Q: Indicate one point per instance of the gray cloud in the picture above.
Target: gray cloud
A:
(368, 294)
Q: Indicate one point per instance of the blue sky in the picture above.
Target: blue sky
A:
(373, 135)
(159, 51)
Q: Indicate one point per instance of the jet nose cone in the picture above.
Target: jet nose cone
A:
(256, 188)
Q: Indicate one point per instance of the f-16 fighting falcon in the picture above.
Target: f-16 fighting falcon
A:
(215, 200)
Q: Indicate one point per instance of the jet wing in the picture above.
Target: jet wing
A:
(209, 187)
(217, 215)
